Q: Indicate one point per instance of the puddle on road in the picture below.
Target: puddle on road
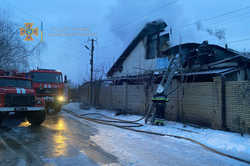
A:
(61, 137)
(24, 124)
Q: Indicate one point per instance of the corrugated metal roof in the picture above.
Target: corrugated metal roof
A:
(247, 56)
(217, 71)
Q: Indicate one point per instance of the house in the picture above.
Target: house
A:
(140, 56)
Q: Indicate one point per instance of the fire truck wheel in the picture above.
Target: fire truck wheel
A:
(36, 118)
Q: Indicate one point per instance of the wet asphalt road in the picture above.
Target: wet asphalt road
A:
(64, 141)
(59, 141)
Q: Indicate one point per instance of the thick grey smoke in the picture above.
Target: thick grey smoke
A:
(220, 34)
(128, 17)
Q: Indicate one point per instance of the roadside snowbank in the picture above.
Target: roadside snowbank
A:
(227, 142)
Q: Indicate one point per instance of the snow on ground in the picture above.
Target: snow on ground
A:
(227, 142)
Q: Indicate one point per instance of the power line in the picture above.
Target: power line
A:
(229, 20)
(240, 40)
(206, 19)
(212, 18)
(227, 13)
(218, 16)
(145, 16)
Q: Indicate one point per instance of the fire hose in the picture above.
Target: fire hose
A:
(116, 123)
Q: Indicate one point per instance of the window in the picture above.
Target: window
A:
(46, 77)
(19, 83)
(151, 47)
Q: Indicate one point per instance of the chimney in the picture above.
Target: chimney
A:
(226, 46)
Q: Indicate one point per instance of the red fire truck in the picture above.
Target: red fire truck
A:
(18, 96)
(49, 85)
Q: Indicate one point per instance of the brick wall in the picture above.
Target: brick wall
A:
(85, 94)
(199, 103)
(135, 98)
(238, 106)
(118, 97)
(105, 97)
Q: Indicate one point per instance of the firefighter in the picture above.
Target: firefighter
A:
(159, 101)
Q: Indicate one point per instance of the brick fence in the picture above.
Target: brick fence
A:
(199, 103)
(238, 106)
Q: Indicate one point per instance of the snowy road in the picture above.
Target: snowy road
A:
(65, 140)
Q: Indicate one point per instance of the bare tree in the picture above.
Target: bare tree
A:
(100, 72)
(14, 51)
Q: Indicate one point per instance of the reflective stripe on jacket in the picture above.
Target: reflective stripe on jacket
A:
(160, 98)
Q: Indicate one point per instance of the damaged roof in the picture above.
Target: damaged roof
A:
(175, 49)
(189, 48)
(215, 71)
(149, 29)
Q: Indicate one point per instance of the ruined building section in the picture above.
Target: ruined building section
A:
(204, 61)
(149, 54)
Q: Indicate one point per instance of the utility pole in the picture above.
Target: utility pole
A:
(91, 68)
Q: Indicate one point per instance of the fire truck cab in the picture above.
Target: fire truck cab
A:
(49, 86)
(18, 96)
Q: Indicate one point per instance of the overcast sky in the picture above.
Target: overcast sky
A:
(116, 22)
